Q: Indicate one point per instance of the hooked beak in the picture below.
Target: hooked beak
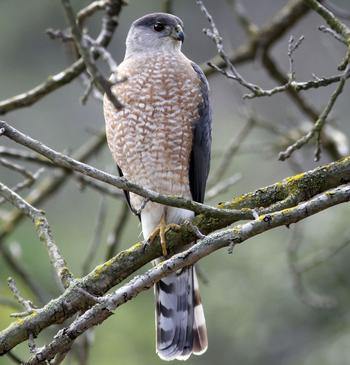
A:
(178, 34)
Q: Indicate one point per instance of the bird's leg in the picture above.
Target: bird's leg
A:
(161, 229)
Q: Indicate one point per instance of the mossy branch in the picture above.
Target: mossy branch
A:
(104, 306)
(336, 24)
(278, 197)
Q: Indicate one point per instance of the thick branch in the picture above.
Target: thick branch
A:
(107, 304)
(285, 194)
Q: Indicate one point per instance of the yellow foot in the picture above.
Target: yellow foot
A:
(161, 229)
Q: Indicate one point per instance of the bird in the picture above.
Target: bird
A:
(161, 140)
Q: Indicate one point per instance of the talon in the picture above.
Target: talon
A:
(161, 230)
(153, 235)
(145, 245)
(173, 226)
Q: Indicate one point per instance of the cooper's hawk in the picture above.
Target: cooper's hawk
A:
(161, 140)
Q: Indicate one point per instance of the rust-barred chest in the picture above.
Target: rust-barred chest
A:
(151, 137)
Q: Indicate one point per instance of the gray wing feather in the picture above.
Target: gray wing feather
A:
(127, 195)
(201, 144)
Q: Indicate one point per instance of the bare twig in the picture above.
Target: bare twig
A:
(230, 151)
(30, 178)
(292, 47)
(317, 128)
(52, 83)
(24, 156)
(308, 297)
(27, 304)
(115, 236)
(194, 229)
(18, 168)
(248, 26)
(105, 55)
(31, 344)
(222, 186)
(53, 183)
(322, 256)
(101, 217)
(100, 81)
(215, 36)
(64, 36)
(17, 267)
(90, 10)
(266, 36)
(43, 230)
(98, 186)
(89, 88)
(330, 31)
(330, 143)
(257, 91)
(276, 73)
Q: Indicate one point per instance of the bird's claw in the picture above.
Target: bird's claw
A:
(161, 230)
(145, 245)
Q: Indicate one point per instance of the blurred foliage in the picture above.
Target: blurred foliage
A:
(253, 314)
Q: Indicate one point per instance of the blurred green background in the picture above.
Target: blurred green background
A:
(253, 314)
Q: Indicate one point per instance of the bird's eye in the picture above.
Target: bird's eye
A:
(158, 27)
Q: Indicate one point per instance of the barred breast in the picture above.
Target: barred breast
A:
(151, 137)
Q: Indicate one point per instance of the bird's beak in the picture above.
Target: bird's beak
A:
(178, 34)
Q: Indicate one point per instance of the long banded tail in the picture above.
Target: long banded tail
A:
(180, 322)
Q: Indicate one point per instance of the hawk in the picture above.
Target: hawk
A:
(161, 140)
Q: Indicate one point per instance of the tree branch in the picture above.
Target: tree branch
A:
(102, 84)
(264, 37)
(282, 195)
(52, 83)
(331, 19)
(51, 184)
(107, 304)
(43, 230)
(67, 162)
(317, 128)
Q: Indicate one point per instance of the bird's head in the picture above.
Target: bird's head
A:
(157, 31)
